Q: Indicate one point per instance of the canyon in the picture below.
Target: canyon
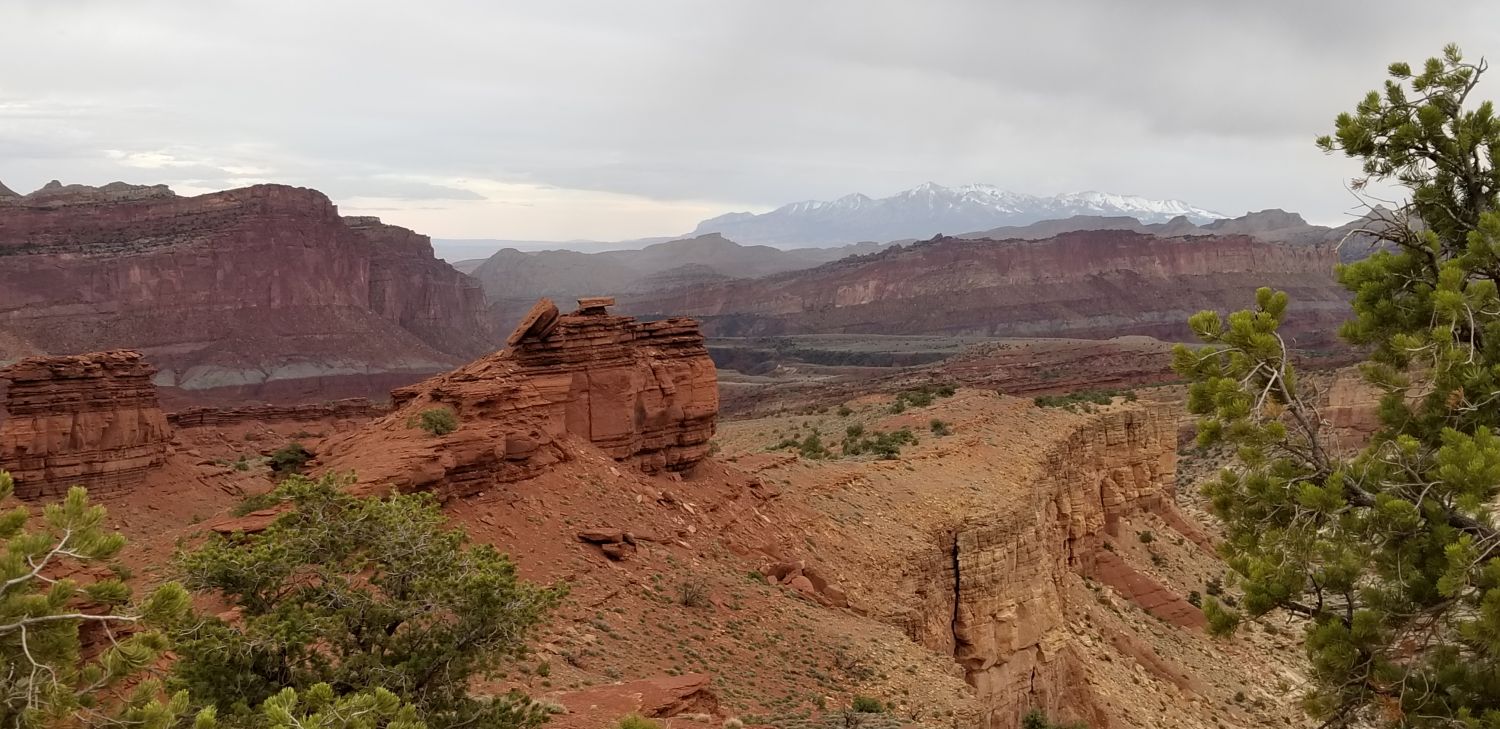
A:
(1004, 558)
(989, 569)
(263, 292)
(1089, 284)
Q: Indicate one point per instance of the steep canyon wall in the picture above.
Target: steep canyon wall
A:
(262, 292)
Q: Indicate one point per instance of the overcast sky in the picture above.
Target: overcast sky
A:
(612, 119)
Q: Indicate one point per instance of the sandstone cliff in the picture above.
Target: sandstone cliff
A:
(1091, 284)
(642, 392)
(257, 292)
(89, 420)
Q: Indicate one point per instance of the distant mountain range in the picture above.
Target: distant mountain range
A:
(513, 279)
(930, 209)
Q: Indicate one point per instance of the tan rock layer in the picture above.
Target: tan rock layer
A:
(91, 420)
(994, 597)
(643, 392)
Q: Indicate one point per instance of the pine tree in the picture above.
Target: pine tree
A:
(1392, 553)
(353, 602)
(45, 677)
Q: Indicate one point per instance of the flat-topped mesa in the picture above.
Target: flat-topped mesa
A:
(642, 392)
(90, 420)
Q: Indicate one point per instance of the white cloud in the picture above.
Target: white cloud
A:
(595, 118)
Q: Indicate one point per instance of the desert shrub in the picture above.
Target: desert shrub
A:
(693, 592)
(364, 595)
(939, 428)
(47, 679)
(844, 411)
(437, 421)
(1035, 719)
(636, 721)
(898, 407)
(867, 705)
(1083, 400)
(1146, 536)
(289, 458)
(882, 444)
(812, 447)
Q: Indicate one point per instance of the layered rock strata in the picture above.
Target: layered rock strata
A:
(1089, 284)
(213, 417)
(87, 420)
(643, 392)
(263, 292)
(992, 592)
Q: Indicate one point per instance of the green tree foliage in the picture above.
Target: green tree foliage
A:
(344, 600)
(45, 678)
(1391, 553)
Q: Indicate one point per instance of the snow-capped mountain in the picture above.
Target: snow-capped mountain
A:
(929, 209)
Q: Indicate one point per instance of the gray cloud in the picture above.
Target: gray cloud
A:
(671, 108)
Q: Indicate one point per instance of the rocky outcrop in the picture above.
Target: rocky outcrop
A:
(261, 293)
(1089, 284)
(643, 392)
(212, 417)
(993, 592)
(88, 420)
(424, 295)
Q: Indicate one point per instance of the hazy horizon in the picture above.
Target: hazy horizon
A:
(570, 121)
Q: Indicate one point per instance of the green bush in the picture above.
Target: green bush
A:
(289, 458)
(256, 502)
(1146, 536)
(884, 444)
(939, 428)
(1083, 400)
(364, 595)
(636, 721)
(844, 411)
(1035, 719)
(867, 705)
(437, 421)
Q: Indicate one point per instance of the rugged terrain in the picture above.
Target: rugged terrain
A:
(1007, 557)
(262, 292)
(1352, 239)
(1089, 284)
(513, 279)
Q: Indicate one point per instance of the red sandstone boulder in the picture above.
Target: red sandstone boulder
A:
(656, 698)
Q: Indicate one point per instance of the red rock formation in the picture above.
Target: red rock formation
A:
(992, 593)
(212, 417)
(1090, 284)
(643, 392)
(90, 420)
(259, 292)
(426, 296)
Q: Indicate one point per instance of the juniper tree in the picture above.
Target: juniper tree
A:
(1391, 553)
(363, 607)
(46, 676)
